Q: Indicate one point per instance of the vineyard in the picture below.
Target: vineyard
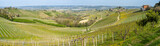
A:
(115, 29)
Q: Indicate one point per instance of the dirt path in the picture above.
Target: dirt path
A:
(118, 18)
(152, 41)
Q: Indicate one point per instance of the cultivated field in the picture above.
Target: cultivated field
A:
(40, 28)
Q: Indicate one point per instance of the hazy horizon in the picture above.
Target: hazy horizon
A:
(15, 3)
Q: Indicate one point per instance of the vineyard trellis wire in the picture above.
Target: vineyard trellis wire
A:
(76, 40)
(67, 41)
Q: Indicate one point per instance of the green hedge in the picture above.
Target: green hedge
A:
(59, 25)
(23, 20)
(48, 13)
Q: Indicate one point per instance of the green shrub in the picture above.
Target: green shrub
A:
(5, 14)
(151, 16)
(23, 20)
(48, 13)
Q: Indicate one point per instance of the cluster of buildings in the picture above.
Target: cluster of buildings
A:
(145, 7)
(120, 9)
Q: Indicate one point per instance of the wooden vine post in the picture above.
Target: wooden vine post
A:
(102, 38)
(112, 37)
(58, 42)
(93, 41)
(23, 43)
(63, 42)
(82, 41)
(96, 41)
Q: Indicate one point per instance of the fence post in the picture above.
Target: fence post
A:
(96, 41)
(23, 43)
(76, 42)
(58, 42)
(5, 43)
(93, 41)
(98, 36)
(82, 41)
(63, 42)
(106, 37)
(34, 43)
(88, 40)
(69, 43)
(102, 38)
(54, 43)
(37, 43)
(48, 43)
(112, 37)
(13, 43)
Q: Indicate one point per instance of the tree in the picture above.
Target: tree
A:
(157, 4)
(124, 34)
(151, 16)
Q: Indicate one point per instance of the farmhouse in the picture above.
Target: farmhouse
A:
(145, 7)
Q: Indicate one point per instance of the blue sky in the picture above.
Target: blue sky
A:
(77, 2)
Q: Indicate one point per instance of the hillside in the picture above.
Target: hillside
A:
(51, 27)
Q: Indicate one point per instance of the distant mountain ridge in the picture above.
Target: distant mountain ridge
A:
(73, 7)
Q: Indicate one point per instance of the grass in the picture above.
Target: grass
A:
(32, 13)
(58, 25)
(108, 20)
(143, 38)
(23, 20)
(24, 13)
(34, 20)
(9, 31)
(36, 29)
(48, 13)
(125, 23)
(35, 32)
(48, 30)
(155, 43)
(126, 17)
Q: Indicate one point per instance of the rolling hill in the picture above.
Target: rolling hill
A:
(39, 27)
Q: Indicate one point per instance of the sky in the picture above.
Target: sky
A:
(13, 3)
